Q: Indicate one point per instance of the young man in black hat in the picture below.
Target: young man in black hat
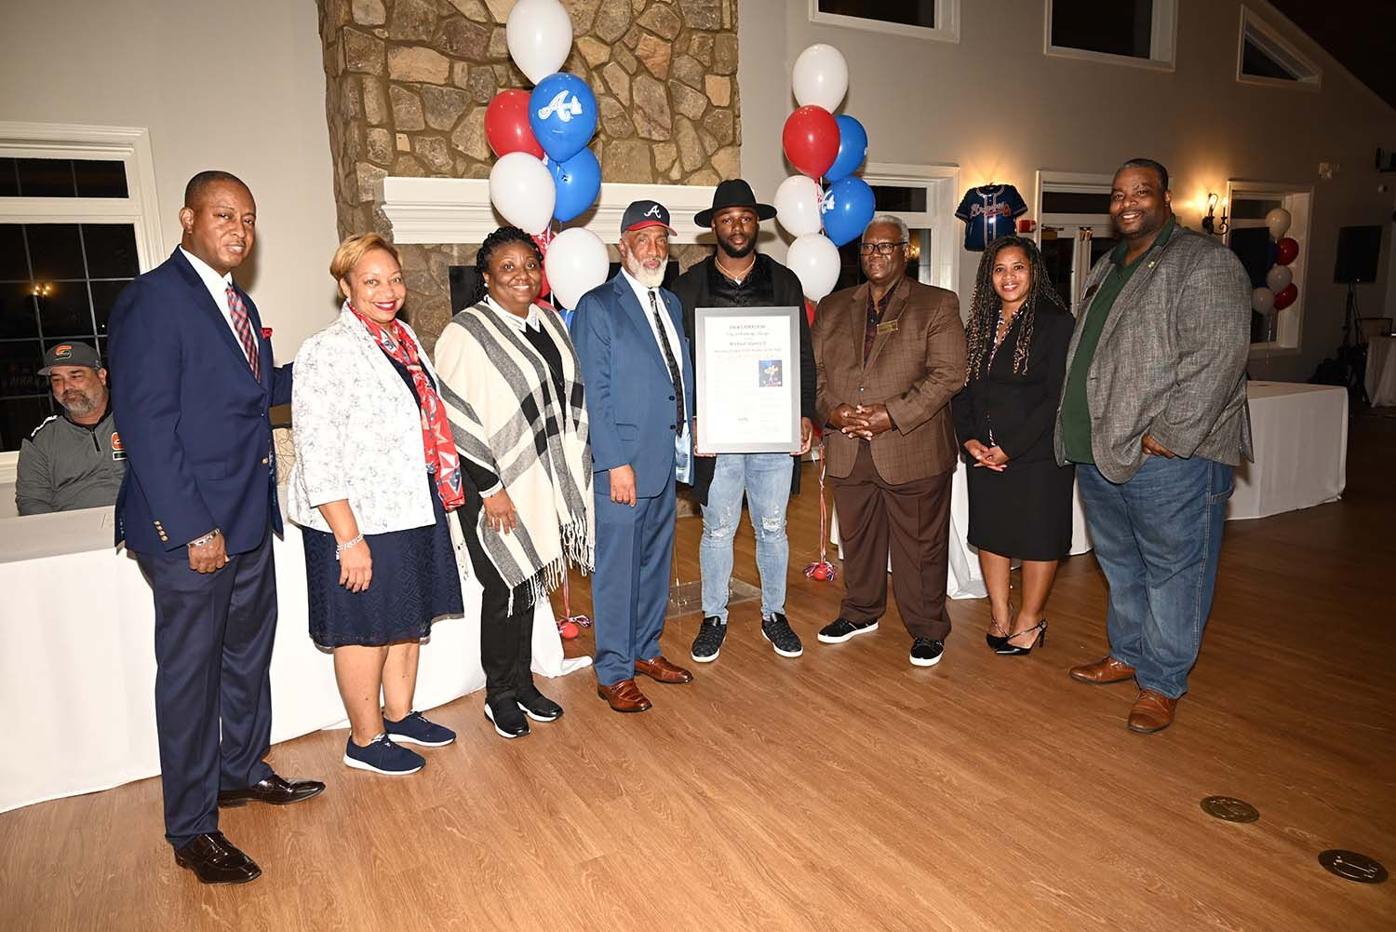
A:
(736, 275)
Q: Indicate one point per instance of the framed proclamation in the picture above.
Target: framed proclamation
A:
(748, 378)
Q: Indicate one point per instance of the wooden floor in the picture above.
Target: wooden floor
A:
(844, 789)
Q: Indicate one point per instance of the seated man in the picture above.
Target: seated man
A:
(73, 460)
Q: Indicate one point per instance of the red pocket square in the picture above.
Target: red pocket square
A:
(266, 333)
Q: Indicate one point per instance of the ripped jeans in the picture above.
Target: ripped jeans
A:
(764, 478)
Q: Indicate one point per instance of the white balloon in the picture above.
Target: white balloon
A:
(1277, 221)
(820, 77)
(521, 189)
(797, 204)
(539, 36)
(1263, 301)
(576, 263)
(1278, 278)
(815, 261)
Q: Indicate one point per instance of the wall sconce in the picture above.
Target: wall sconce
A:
(41, 289)
(1210, 224)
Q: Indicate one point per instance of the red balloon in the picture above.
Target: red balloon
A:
(506, 124)
(1286, 250)
(1286, 295)
(811, 140)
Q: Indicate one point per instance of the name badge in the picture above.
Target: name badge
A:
(889, 326)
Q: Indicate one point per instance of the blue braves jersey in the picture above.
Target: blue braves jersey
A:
(988, 213)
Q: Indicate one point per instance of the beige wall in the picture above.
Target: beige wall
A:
(235, 87)
(997, 107)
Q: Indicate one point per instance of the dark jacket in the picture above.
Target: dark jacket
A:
(770, 284)
(1016, 410)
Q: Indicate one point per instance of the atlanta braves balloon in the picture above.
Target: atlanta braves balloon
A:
(562, 113)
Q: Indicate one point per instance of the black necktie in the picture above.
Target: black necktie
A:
(674, 374)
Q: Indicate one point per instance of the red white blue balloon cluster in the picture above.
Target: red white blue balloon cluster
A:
(823, 148)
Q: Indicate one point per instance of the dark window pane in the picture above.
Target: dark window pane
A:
(14, 266)
(9, 178)
(19, 417)
(19, 368)
(103, 297)
(1119, 27)
(898, 199)
(111, 250)
(1255, 62)
(102, 178)
(1075, 202)
(1058, 253)
(46, 178)
(1245, 208)
(1252, 247)
(17, 313)
(906, 12)
(55, 252)
(65, 311)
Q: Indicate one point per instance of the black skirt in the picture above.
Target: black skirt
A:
(1022, 512)
(414, 581)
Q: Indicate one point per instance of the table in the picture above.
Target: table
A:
(77, 670)
(1381, 371)
(1300, 435)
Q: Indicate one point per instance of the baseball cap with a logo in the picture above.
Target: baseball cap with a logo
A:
(641, 214)
(70, 354)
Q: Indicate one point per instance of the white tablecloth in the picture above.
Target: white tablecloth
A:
(1301, 449)
(77, 667)
(1381, 371)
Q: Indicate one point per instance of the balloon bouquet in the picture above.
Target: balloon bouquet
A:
(1279, 290)
(822, 146)
(546, 173)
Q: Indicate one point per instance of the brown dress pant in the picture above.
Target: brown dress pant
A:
(914, 517)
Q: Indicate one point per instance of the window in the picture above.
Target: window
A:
(1131, 32)
(1074, 229)
(1265, 58)
(1248, 237)
(923, 197)
(77, 223)
(927, 19)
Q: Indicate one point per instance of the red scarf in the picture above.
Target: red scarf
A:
(437, 443)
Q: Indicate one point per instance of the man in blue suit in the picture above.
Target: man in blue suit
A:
(193, 379)
(630, 339)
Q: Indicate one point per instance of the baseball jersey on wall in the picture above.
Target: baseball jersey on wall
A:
(988, 213)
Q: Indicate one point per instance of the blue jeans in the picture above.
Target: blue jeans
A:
(765, 480)
(1157, 538)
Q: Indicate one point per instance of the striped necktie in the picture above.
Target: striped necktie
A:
(675, 373)
(238, 310)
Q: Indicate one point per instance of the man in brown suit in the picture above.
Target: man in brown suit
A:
(889, 354)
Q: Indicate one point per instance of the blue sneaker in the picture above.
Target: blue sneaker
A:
(415, 729)
(382, 756)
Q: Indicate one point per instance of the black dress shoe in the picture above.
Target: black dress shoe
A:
(215, 859)
(272, 790)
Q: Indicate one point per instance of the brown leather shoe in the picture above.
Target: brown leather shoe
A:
(657, 668)
(1152, 712)
(1105, 670)
(624, 696)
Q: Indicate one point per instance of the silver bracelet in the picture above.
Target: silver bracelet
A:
(205, 540)
(347, 545)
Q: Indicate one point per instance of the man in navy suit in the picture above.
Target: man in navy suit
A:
(630, 339)
(193, 379)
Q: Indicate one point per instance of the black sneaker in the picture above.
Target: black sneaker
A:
(783, 640)
(537, 706)
(841, 629)
(506, 716)
(708, 644)
(925, 652)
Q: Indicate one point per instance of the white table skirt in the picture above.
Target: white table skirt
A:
(78, 671)
(1301, 449)
(1381, 371)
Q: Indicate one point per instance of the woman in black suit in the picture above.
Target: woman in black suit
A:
(1019, 498)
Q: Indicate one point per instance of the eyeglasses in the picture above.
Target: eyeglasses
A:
(882, 249)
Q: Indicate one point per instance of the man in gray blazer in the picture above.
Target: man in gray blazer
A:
(1154, 413)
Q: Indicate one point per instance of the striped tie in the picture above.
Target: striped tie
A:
(243, 326)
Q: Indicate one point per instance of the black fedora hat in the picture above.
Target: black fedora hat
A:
(733, 193)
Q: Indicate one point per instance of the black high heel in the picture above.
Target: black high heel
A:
(1013, 650)
(995, 642)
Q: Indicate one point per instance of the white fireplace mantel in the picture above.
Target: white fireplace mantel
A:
(458, 210)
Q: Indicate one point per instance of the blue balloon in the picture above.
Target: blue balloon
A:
(848, 207)
(578, 181)
(853, 148)
(562, 113)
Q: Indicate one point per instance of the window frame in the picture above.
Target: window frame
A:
(1280, 49)
(947, 15)
(942, 185)
(1298, 200)
(1079, 183)
(1163, 41)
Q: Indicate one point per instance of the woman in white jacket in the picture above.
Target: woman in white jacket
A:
(376, 472)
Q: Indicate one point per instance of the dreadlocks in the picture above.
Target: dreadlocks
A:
(501, 237)
(984, 312)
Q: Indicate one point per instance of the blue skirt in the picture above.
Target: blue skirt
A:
(414, 581)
